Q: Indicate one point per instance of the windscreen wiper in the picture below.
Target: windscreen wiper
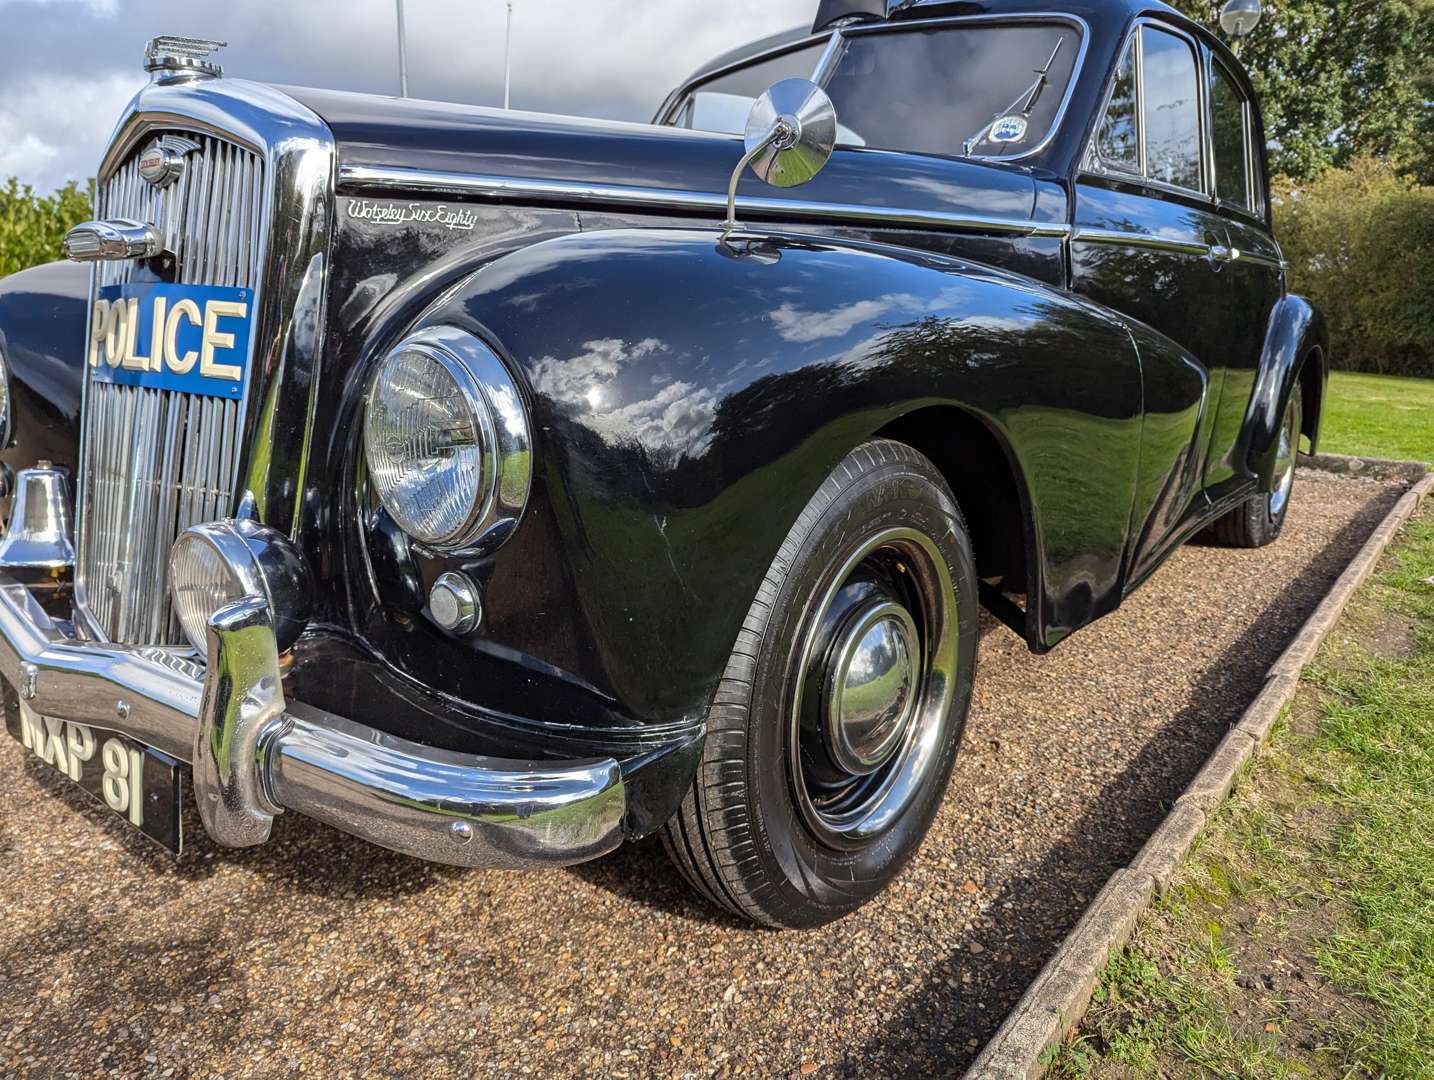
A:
(1031, 95)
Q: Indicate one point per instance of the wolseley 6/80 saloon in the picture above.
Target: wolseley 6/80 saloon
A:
(501, 487)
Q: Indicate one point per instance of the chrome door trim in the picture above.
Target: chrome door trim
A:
(1241, 255)
(406, 180)
(1149, 241)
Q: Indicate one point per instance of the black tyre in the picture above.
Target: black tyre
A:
(833, 732)
(1260, 519)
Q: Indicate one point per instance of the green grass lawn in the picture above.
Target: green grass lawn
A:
(1298, 941)
(1379, 416)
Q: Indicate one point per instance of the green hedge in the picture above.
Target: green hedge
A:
(1360, 242)
(32, 226)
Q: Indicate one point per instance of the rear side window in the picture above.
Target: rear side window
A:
(1230, 138)
(1171, 109)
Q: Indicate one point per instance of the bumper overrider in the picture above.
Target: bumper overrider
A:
(255, 755)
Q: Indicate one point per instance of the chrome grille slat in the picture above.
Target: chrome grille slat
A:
(156, 462)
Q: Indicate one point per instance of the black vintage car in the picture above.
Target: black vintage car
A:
(492, 487)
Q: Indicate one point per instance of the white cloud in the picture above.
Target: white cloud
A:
(610, 60)
(674, 421)
(800, 325)
(53, 123)
(97, 7)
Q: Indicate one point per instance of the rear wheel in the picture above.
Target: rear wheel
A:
(834, 730)
(1260, 519)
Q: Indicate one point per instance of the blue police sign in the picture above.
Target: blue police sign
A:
(190, 338)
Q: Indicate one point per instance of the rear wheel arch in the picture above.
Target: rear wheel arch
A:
(1312, 386)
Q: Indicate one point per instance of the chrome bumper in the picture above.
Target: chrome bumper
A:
(255, 755)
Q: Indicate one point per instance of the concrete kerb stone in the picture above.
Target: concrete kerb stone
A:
(1212, 783)
(1169, 844)
(1260, 717)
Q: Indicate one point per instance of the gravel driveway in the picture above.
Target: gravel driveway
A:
(319, 955)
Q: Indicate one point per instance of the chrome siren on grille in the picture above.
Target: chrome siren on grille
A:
(156, 461)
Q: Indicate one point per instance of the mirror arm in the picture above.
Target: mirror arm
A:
(780, 132)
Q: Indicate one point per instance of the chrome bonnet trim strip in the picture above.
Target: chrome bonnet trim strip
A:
(401, 179)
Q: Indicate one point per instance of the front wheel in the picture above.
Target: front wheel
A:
(1260, 519)
(833, 732)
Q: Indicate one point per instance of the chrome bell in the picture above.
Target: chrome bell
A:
(39, 534)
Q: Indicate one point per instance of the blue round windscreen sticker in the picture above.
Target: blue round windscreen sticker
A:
(1009, 129)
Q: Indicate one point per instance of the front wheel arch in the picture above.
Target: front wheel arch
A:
(983, 475)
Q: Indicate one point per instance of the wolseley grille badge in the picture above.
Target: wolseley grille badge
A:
(162, 162)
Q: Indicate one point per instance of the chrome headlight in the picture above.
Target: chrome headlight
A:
(447, 440)
(4, 402)
(214, 565)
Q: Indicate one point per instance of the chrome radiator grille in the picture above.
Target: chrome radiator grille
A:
(154, 462)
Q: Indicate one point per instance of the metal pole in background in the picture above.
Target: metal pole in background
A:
(402, 54)
(507, 59)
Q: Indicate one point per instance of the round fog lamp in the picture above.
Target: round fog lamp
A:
(214, 565)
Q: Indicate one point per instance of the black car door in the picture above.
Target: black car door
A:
(1149, 240)
(1255, 274)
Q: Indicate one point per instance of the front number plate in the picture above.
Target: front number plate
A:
(138, 783)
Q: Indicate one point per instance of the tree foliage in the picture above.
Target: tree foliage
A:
(1341, 78)
(1360, 242)
(32, 226)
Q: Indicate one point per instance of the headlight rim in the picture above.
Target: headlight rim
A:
(501, 417)
(7, 404)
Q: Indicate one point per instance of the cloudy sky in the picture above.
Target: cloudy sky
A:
(67, 67)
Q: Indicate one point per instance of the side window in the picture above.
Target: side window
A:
(1230, 138)
(1171, 110)
(1118, 140)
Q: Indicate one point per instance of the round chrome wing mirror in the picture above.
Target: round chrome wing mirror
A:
(791, 132)
(1238, 18)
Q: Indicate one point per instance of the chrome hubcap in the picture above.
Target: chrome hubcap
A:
(872, 689)
(1285, 458)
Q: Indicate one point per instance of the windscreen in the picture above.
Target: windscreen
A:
(723, 103)
(958, 89)
(983, 91)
